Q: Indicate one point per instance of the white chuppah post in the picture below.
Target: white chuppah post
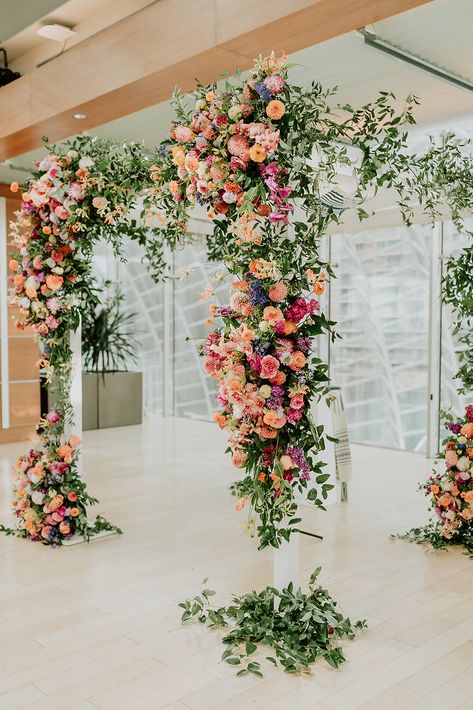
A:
(286, 563)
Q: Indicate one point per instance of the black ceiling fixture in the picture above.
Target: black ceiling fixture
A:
(6, 74)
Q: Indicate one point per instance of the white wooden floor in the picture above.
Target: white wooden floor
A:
(95, 627)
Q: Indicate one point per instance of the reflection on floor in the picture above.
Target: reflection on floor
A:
(96, 627)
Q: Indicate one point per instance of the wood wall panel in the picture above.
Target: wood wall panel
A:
(24, 403)
(23, 353)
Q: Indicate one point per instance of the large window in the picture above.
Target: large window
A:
(380, 300)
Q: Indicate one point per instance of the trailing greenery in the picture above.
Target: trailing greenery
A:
(429, 534)
(299, 627)
(107, 337)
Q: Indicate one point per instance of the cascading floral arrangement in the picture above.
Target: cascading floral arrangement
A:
(451, 491)
(227, 156)
(79, 194)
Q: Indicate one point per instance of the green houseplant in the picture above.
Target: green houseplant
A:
(112, 395)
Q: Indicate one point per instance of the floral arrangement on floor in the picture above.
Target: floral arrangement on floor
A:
(299, 627)
(451, 491)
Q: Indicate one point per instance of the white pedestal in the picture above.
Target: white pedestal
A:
(286, 563)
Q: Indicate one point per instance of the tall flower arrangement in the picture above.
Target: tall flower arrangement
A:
(80, 193)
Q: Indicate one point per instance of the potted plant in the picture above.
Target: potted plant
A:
(112, 395)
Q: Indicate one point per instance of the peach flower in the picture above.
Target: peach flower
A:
(64, 528)
(444, 500)
(269, 367)
(184, 134)
(286, 462)
(451, 458)
(468, 496)
(257, 153)
(75, 512)
(289, 327)
(238, 459)
(64, 451)
(13, 265)
(55, 503)
(434, 489)
(271, 419)
(272, 314)
(54, 282)
(278, 292)
(278, 379)
(275, 109)
(14, 187)
(268, 433)
(467, 430)
(298, 360)
(221, 419)
(74, 441)
(467, 514)
(72, 496)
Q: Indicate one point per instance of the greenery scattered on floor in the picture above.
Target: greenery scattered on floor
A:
(430, 535)
(299, 627)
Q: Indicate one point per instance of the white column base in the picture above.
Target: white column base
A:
(286, 563)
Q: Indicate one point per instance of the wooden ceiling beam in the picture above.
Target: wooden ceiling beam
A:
(136, 62)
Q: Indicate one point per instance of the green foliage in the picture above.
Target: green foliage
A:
(107, 339)
(430, 535)
(299, 627)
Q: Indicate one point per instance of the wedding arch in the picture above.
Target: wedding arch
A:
(244, 152)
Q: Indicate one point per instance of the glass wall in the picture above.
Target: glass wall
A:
(380, 300)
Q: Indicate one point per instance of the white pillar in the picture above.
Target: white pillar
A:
(286, 563)
(76, 392)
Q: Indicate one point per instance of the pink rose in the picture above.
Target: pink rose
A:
(38, 263)
(269, 366)
(53, 417)
(297, 402)
(61, 212)
(46, 531)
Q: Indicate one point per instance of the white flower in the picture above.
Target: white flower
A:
(86, 162)
(463, 463)
(464, 475)
(234, 112)
(58, 270)
(37, 497)
(24, 302)
(72, 154)
(462, 439)
(263, 326)
(238, 411)
(51, 263)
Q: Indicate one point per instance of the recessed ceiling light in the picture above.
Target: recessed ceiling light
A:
(56, 32)
(79, 116)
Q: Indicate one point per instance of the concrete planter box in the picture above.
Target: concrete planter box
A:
(111, 399)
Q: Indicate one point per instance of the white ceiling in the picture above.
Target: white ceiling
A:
(439, 32)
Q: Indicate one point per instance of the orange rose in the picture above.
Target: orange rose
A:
(279, 378)
(298, 360)
(72, 496)
(445, 500)
(272, 314)
(14, 187)
(275, 109)
(318, 288)
(54, 282)
(13, 265)
(272, 419)
(19, 280)
(239, 285)
(468, 496)
(64, 451)
(469, 453)
(268, 433)
(262, 477)
(467, 430)
(435, 489)
(257, 153)
(46, 229)
(221, 419)
(289, 327)
(55, 503)
(75, 512)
